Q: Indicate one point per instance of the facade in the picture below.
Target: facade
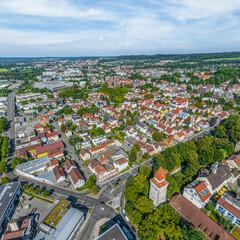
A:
(158, 188)
(229, 207)
(197, 193)
(8, 194)
(41, 169)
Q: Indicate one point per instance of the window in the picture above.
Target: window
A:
(238, 222)
(221, 210)
(230, 216)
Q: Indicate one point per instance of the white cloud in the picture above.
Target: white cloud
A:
(183, 10)
(52, 8)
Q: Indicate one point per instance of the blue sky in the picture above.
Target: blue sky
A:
(37, 28)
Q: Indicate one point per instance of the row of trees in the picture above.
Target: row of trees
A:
(3, 122)
(4, 149)
(36, 190)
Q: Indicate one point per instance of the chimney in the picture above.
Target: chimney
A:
(14, 226)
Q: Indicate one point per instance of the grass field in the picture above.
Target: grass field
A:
(3, 70)
(222, 59)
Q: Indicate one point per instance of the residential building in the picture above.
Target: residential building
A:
(20, 229)
(197, 193)
(229, 207)
(44, 120)
(217, 177)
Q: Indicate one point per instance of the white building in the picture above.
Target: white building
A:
(197, 193)
(229, 207)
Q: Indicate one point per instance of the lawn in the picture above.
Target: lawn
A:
(3, 70)
(236, 232)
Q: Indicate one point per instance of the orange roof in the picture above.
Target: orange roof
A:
(38, 126)
(159, 184)
(159, 175)
(51, 134)
(43, 117)
(201, 187)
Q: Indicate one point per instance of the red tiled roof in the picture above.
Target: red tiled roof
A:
(159, 184)
(199, 219)
(49, 147)
(159, 175)
(58, 172)
(94, 149)
(229, 207)
(201, 186)
(69, 163)
(75, 175)
(43, 117)
(52, 134)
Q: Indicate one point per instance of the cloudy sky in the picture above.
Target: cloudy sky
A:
(107, 27)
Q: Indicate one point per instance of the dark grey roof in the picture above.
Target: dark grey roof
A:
(7, 192)
(223, 173)
(113, 233)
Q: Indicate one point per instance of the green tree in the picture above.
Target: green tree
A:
(145, 171)
(3, 166)
(31, 189)
(190, 233)
(5, 180)
(144, 205)
(145, 155)
(38, 190)
(25, 187)
(16, 161)
(192, 165)
(137, 146)
(159, 162)
(63, 128)
(46, 193)
(130, 181)
(136, 216)
(131, 194)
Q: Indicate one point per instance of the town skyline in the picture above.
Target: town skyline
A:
(73, 28)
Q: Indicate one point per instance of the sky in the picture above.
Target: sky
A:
(43, 28)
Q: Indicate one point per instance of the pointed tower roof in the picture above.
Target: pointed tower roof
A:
(159, 175)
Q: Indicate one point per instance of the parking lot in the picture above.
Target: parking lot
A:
(36, 207)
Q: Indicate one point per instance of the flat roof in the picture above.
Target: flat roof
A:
(7, 192)
(65, 227)
(113, 233)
